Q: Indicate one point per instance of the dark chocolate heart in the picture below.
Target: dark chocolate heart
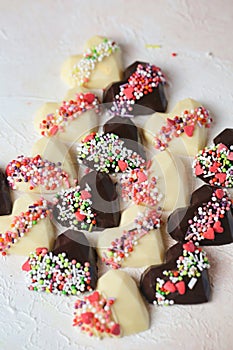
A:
(174, 287)
(69, 269)
(77, 247)
(214, 165)
(148, 103)
(218, 231)
(99, 195)
(103, 152)
(5, 198)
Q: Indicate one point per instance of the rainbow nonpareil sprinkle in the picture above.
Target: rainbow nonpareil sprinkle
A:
(183, 124)
(93, 315)
(137, 187)
(81, 71)
(56, 274)
(107, 153)
(122, 247)
(23, 223)
(215, 165)
(69, 110)
(73, 207)
(140, 83)
(36, 171)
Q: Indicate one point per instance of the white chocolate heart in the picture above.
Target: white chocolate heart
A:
(53, 151)
(129, 308)
(172, 180)
(74, 130)
(184, 144)
(40, 235)
(105, 72)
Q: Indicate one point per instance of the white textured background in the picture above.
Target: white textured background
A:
(35, 38)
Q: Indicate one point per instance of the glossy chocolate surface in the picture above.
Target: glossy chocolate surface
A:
(199, 294)
(152, 102)
(77, 247)
(5, 198)
(105, 201)
(177, 224)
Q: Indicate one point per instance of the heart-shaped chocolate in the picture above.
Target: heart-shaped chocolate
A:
(69, 269)
(91, 205)
(183, 131)
(105, 152)
(208, 219)
(98, 66)
(183, 279)
(141, 91)
(27, 227)
(70, 119)
(5, 197)
(134, 243)
(125, 312)
(49, 169)
(214, 164)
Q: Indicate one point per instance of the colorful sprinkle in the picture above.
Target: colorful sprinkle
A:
(67, 112)
(107, 153)
(215, 165)
(23, 223)
(74, 208)
(136, 187)
(152, 46)
(55, 274)
(140, 83)
(36, 171)
(185, 123)
(122, 247)
(94, 316)
(82, 70)
(189, 266)
(208, 217)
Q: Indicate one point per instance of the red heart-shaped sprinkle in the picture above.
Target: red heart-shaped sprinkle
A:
(53, 130)
(219, 193)
(39, 250)
(79, 216)
(189, 129)
(198, 170)
(89, 137)
(180, 286)
(190, 247)
(89, 98)
(221, 147)
(26, 266)
(85, 194)
(87, 317)
(122, 165)
(141, 176)
(221, 177)
(115, 330)
(171, 122)
(230, 156)
(169, 286)
(128, 92)
(213, 168)
(209, 234)
(94, 297)
(218, 227)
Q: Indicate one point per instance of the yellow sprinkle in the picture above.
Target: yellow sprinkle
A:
(152, 46)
